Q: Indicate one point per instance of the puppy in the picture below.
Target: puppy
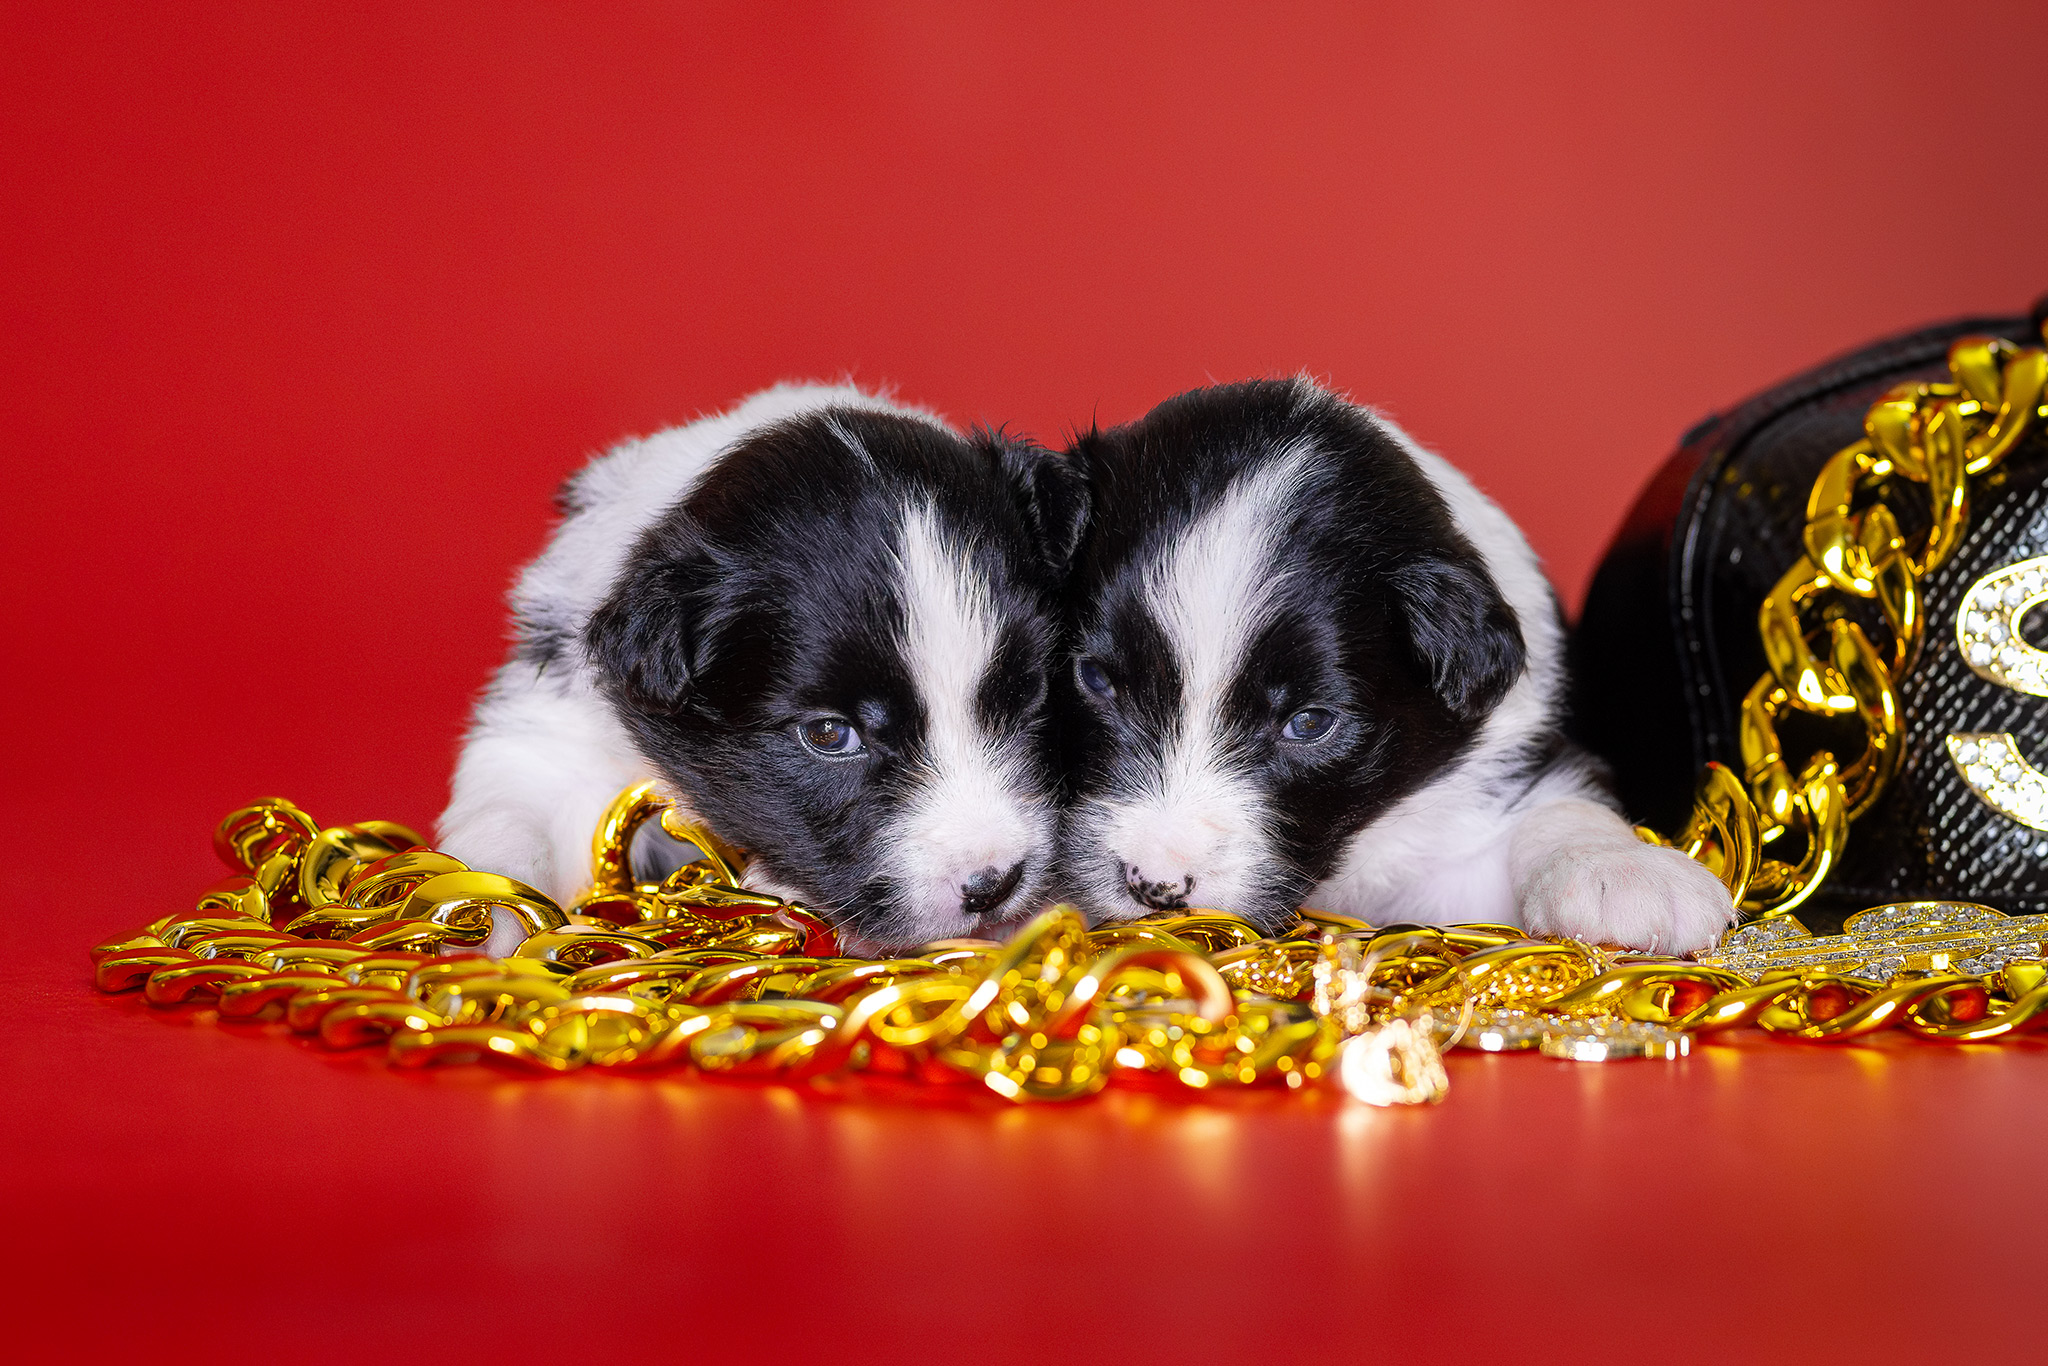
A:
(1315, 665)
(822, 620)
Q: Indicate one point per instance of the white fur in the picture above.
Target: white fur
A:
(1196, 820)
(1556, 858)
(976, 807)
(544, 755)
(1579, 871)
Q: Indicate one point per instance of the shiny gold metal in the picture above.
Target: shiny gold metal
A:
(1502, 1030)
(767, 940)
(587, 947)
(181, 934)
(296, 955)
(256, 997)
(238, 898)
(1054, 1013)
(1821, 662)
(350, 1026)
(126, 943)
(493, 999)
(418, 936)
(471, 901)
(307, 1008)
(338, 922)
(470, 1043)
(250, 837)
(128, 969)
(1396, 1063)
(1342, 991)
(656, 976)
(388, 881)
(1612, 1040)
(1967, 1011)
(186, 981)
(333, 854)
(722, 864)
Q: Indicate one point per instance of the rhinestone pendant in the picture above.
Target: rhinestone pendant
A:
(1930, 936)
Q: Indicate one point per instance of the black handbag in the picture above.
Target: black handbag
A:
(1670, 646)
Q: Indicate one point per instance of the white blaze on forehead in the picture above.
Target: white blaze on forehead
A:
(975, 807)
(1209, 592)
(950, 632)
(1198, 818)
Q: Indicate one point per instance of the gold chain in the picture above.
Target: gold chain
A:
(359, 935)
(1936, 438)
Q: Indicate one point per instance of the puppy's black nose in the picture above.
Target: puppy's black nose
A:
(990, 888)
(1160, 896)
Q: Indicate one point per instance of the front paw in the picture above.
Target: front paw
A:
(1628, 893)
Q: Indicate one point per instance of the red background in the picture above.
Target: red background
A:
(304, 311)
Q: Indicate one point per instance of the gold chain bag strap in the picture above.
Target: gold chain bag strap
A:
(1925, 441)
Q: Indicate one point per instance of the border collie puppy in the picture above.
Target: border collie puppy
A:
(1316, 666)
(822, 620)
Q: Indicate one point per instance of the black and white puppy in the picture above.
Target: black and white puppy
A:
(823, 620)
(1316, 666)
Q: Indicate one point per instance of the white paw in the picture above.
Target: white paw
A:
(1628, 893)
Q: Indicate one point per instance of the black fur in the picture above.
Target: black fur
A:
(770, 595)
(1388, 618)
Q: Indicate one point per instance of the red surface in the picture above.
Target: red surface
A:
(304, 312)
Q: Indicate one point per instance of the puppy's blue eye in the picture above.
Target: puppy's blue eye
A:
(1095, 678)
(830, 736)
(1309, 725)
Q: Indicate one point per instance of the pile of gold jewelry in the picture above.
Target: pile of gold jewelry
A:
(360, 935)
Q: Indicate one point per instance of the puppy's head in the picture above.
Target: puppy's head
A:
(836, 651)
(1280, 631)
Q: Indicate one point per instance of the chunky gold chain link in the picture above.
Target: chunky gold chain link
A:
(1928, 440)
(360, 936)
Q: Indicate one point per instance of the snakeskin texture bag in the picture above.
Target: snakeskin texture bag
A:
(1831, 590)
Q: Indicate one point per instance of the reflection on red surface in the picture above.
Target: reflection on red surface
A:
(174, 1178)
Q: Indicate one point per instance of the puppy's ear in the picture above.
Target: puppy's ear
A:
(645, 640)
(1053, 491)
(1464, 634)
